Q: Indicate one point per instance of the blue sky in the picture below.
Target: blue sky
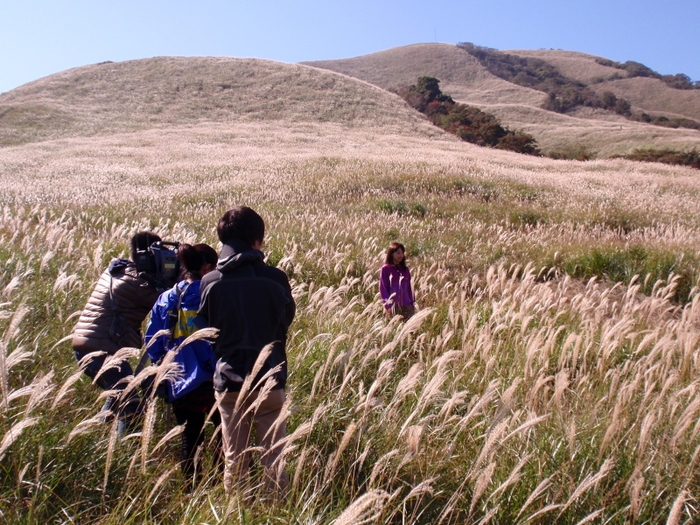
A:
(41, 37)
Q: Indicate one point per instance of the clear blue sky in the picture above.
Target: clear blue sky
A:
(41, 37)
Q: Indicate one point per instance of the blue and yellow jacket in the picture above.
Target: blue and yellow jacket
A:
(197, 358)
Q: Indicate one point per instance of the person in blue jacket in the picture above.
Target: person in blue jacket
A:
(191, 392)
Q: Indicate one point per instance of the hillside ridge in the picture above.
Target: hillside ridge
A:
(167, 91)
(601, 133)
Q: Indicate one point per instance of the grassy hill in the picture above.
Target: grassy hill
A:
(649, 94)
(601, 133)
(551, 374)
(128, 96)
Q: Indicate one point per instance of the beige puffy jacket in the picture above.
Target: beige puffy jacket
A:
(96, 328)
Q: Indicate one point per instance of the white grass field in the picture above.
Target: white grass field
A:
(552, 374)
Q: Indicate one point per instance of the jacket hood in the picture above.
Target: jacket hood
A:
(236, 253)
(117, 266)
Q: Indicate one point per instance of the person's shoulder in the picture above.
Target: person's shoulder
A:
(270, 272)
(173, 293)
(210, 279)
(274, 275)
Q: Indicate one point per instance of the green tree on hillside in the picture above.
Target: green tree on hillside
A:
(467, 122)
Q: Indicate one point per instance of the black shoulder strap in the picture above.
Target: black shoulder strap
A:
(113, 303)
(175, 312)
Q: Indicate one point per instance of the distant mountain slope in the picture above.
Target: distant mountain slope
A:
(141, 94)
(579, 66)
(462, 76)
(649, 94)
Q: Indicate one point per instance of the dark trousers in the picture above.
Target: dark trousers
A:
(192, 410)
(110, 379)
(113, 378)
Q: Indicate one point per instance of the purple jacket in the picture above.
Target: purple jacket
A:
(395, 286)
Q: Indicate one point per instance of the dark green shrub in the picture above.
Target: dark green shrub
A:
(572, 152)
(519, 142)
(635, 69)
(467, 122)
(390, 207)
(609, 100)
(666, 156)
(526, 218)
(622, 264)
(418, 209)
(483, 191)
(400, 207)
(623, 107)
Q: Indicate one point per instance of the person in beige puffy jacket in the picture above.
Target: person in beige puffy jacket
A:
(112, 320)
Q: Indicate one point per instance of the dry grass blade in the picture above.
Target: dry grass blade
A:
(42, 387)
(111, 444)
(589, 482)
(10, 332)
(65, 388)
(115, 360)
(541, 487)
(159, 482)
(14, 433)
(84, 427)
(543, 511)
(248, 381)
(414, 323)
(173, 432)
(15, 323)
(365, 509)
(676, 514)
(593, 515)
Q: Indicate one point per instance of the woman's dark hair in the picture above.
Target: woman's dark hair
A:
(390, 254)
(141, 241)
(194, 258)
(241, 223)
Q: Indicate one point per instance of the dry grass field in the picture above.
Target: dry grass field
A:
(552, 373)
(601, 133)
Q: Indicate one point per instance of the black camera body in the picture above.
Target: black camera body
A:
(158, 264)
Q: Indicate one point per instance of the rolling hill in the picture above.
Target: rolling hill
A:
(602, 133)
(168, 91)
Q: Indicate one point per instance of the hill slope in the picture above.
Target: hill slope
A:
(649, 94)
(467, 81)
(134, 95)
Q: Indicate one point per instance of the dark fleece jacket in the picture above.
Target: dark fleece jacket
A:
(252, 306)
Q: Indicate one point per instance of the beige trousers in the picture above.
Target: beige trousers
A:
(236, 425)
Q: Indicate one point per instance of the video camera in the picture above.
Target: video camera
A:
(158, 264)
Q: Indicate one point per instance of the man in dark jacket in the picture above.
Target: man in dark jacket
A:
(252, 306)
(111, 320)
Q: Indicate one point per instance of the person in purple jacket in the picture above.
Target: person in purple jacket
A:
(395, 283)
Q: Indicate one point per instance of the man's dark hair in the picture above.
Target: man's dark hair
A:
(241, 223)
(141, 241)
